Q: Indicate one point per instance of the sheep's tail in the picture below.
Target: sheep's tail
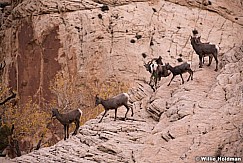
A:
(129, 99)
(80, 112)
(217, 47)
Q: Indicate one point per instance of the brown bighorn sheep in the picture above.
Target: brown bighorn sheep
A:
(179, 70)
(205, 49)
(157, 70)
(68, 118)
(161, 71)
(114, 103)
(199, 41)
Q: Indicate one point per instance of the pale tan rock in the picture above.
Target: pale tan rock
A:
(202, 117)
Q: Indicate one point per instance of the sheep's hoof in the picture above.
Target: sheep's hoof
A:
(216, 70)
(200, 66)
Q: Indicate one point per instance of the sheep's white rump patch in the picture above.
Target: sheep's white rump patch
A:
(80, 111)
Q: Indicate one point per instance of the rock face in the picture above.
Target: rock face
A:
(100, 42)
(203, 117)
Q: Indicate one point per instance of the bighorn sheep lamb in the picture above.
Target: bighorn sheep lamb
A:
(68, 118)
(114, 103)
(179, 70)
(205, 49)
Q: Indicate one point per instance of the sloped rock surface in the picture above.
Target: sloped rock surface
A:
(203, 117)
(109, 141)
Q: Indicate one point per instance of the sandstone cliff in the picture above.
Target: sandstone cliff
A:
(105, 39)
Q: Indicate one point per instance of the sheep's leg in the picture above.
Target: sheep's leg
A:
(103, 115)
(77, 126)
(171, 79)
(210, 60)
(115, 114)
(127, 111)
(182, 79)
(65, 128)
(200, 61)
(159, 73)
(67, 131)
(191, 75)
(132, 111)
(151, 78)
(216, 59)
(155, 81)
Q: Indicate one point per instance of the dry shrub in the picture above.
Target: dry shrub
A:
(77, 92)
(29, 120)
(67, 92)
(104, 89)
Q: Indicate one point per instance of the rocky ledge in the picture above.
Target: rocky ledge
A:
(202, 117)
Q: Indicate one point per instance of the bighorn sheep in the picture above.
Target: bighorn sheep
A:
(160, 71)
(205, 49)
(114, 103)
(199, 41)
(68, 118)
(157, 70)
(179, 70)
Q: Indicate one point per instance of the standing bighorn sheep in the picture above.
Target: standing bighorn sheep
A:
(68, 118)
(179, 70)
(114, 103)
(157, 70)
(205, 49)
